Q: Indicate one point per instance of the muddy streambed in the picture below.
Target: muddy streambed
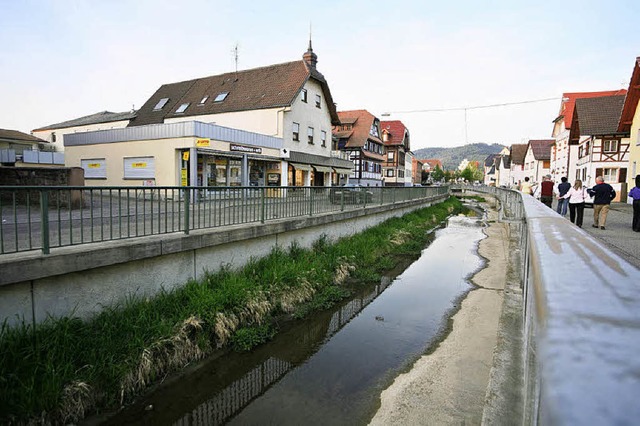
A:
(329, 369)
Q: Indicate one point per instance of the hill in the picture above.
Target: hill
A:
(451, 157)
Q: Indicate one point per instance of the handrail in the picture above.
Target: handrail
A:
(581, 319)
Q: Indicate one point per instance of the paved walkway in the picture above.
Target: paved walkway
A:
(618, 233)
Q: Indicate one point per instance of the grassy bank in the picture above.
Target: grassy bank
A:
(67, 368)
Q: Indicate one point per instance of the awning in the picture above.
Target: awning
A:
(342, 171)
(323, 169)
(299, 166)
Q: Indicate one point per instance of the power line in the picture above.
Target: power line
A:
(531, 101)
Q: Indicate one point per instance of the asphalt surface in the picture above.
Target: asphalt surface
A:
(617, 234)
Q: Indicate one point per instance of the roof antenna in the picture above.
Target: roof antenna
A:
(235, 57)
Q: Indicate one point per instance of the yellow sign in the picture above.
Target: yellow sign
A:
(183, 177)
(94, 165)
(185, 155)
(139, 165)
(203, 142)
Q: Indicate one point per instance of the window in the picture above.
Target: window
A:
(610, 175)
(303, 95)
(390, 155)
(139, 167)
(610, 146)
(53, 137)
(94, 168)
(310, 134)
(323, 137)
(318, 101)
(390, 173)
(203, 100)
(182, 108)
(374, 130)
(161, 103)
(296, 132)
(221, 97)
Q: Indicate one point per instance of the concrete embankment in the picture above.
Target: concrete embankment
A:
(455, 383)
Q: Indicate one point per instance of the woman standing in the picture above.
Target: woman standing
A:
(577, 196)
(635, 194)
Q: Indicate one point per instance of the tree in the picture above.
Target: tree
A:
(437, 174)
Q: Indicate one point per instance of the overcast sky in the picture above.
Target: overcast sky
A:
(61, 60)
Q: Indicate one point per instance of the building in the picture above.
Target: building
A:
(417, 167)
(517, 154)
(537, 159)
(18, 149)
(396, 140)
(262, 126)
(489, 169)
(630, 123)
(564, 152)
(105, 120)
(359, 135)
(603, 150)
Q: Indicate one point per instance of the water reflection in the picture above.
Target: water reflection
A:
(332, 368)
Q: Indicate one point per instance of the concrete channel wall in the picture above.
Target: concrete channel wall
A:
(581, 320)
(82, 280)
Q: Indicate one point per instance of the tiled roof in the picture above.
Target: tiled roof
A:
(488, 162)
(97, 118)
(518, 152)
(541, 148)
(396, 131)
(361, 127)
(258, 88)
(599, 116)
(14, 135)
(343, 134)
(568, 102)
(631, 100)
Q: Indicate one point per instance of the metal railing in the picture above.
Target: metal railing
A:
(42, 218)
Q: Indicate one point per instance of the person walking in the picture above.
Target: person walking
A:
(602, 194)
(525, 187)
(576, 196)
(546, 191)
(635, 194)
(563, 188)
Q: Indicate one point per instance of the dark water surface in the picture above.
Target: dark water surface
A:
(331, 369)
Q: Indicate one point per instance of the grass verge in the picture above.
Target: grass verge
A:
(65, 368)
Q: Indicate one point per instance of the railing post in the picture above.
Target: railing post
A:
(187, 202)
(310, 201)
(44, 220)
(262, 204)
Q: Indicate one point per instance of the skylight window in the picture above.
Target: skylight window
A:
(161, 103)
(204, 100)
(182, 108)
(221, 97)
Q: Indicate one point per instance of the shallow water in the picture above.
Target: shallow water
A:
(332, 368)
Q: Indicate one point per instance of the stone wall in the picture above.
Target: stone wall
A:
(43, 177)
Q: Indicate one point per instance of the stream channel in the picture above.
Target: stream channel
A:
(329, 369)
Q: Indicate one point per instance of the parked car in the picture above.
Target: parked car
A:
(350, 193)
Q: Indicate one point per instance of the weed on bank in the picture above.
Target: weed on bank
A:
(65, 369)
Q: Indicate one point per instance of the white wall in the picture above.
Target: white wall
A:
(58, 145)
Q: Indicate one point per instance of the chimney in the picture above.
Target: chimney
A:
(309, 57)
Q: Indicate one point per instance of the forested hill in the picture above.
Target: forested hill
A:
(451, 157)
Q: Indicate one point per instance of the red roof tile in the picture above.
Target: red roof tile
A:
(361, 127)
(396, 131)
(567, 106)
(632, 99)
(541, 148)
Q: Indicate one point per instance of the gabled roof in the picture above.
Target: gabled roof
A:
(97, 118)
(361, 127)
(568, 102)
(632, 99)
(599, 116)
(518, 152)
(14, 135)
(506, 162)
(272, 86)
(397, 132)
(541, 148)
(490, 160)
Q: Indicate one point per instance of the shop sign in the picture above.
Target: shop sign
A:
(183, 177)
(185, 155)
(203, 142)
(247, 149)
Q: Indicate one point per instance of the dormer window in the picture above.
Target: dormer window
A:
(203, 100)
(318, 101)
(303, 95)
(374, 130)
(221, 97)
(161, 103)
(182, 108)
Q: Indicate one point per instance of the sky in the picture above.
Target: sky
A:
(63, 59)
